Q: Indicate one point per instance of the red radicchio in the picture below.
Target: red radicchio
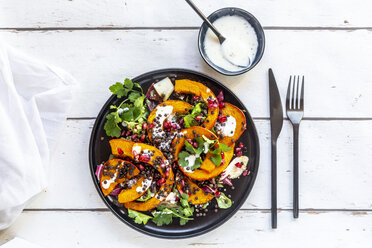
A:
(220, 97)
(99, 171)
(116, 191)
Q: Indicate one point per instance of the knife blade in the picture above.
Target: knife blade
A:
(276, 123)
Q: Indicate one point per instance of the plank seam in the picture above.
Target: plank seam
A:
(177, 28)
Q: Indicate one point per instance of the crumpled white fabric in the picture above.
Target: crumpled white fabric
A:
(34, 100)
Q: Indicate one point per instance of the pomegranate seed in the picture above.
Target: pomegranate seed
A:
(174, 165)
(246, 172)
(161, 181)
(143, 137)
(239, 154)
(222, 155)
(199, 118)
(221, 105)
(166, 173)
(177, 198)
(238, 149)
(241, 145)
(214, 105)
(174, 126)
(141, 167)
(129, 133)
(182, 183)
(195, 145)
(151, 125)
(123, 133)
(223, 161)
(210, 102)
(120, 151)
(195, 98)
(217, 194)
(190, 141)
(144, 126)
(239, 165)
(167, 124)
(222, 118)
(134, 136)
(144, 158)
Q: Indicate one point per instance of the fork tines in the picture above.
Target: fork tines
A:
(294, 101)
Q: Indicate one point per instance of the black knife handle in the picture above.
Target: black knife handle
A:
(273, 186)
(295, 172)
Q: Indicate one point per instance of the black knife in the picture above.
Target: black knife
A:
(276, 121)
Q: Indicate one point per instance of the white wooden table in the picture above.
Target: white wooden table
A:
(101, 42)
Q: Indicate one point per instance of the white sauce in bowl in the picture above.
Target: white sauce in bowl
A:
(240, 46)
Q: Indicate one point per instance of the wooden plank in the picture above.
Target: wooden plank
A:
(169, 13)
(338, 76)
(93, 229)
(334, 168)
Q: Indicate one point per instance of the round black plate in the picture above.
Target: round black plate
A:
(99, 151)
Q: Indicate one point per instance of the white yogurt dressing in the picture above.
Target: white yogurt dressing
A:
(191, 162)
(106, 184)
(136, 150)
(228, 127)
(232, 170)
(206, 147)
(162, 113)
(241, 43)
(145, 184)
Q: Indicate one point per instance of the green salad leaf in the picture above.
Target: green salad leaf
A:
(223, 201)
(189, 120)
(138, 217)
(217, 158)
(165, 215)
(132, 112)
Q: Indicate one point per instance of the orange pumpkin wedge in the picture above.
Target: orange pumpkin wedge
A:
(155, 200)
(241, 124)
(131, 194)
(187, 86)
(109, 183)
(121, 148)
(190, 133)
(202, 175)
(197, 195)
(180, 107)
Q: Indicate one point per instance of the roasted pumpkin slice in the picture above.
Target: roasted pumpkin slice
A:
(153, 202)
(197, 195)
(191, 133)
(168, 107)
(202, 175)
(116, 171)
(187, 86)
(135, 190)
(233, 117)
(121, 148)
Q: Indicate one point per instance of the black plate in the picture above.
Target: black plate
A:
(99, 151)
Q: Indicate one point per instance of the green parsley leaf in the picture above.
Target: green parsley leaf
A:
(197, 164)
(216, 159)
(189, 120)
(139, 218)
(189, 147)
(224, 148)
(128, 84)
(119, 90)
(162, 216)
(223, 201)
(134, 95)
(182, 158)
(111, 126)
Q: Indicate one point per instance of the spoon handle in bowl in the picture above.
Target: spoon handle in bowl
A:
(210, 25)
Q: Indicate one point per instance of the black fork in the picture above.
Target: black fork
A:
(295, 112)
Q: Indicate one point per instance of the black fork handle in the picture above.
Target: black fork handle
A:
(274, 218)
(295, 171)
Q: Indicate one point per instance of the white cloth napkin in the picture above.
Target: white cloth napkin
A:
(19, 243)
(34, 99)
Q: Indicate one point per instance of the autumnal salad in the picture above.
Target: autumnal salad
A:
(174, 151)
